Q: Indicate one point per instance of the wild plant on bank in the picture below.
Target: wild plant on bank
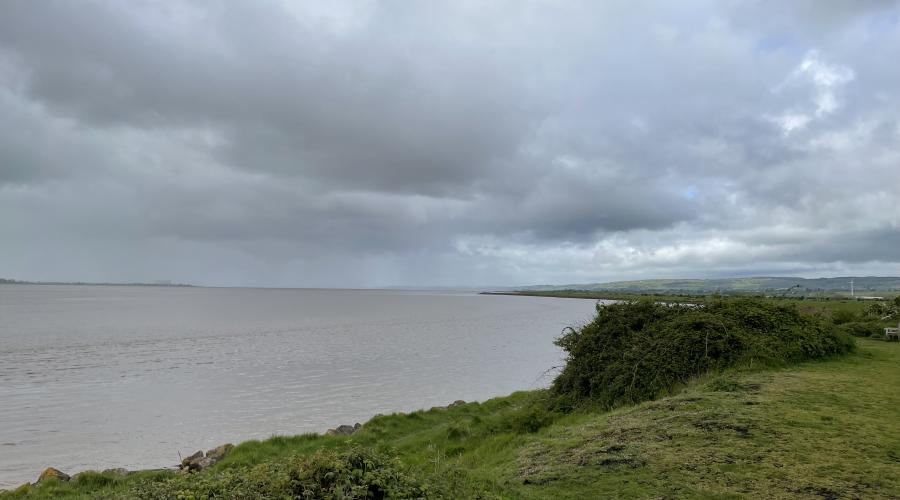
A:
(639, 350)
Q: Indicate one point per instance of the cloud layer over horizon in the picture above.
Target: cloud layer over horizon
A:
(392, 143)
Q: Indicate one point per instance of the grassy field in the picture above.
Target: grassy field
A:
(821, 305)
(811, 287)
(820, 430)
(824, 302)
(826, 429)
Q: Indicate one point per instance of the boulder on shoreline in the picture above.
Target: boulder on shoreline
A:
(192, 458)
(118, 471)
(343, 430)
(51, 473)
(219, 452)
(198, 461)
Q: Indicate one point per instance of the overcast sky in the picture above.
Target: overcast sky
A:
(359, 144)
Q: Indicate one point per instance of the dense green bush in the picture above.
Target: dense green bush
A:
(863, 328)
(842, 316)
(639, 350)
(355, 474)
(530, 419)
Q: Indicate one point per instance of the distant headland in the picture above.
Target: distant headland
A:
(5, 281)
(752, 285)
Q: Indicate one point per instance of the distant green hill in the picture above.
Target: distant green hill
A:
(861, 284)
(5, 281)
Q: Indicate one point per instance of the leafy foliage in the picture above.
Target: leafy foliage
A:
(883, 310)
(357, 473)
(844, 316)
(862, 328)
(639, 350)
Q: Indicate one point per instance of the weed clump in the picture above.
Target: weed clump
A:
(724, 384)
(352, 474)
(639, 350)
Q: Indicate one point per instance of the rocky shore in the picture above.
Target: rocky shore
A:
(199, 460)
(195, 462)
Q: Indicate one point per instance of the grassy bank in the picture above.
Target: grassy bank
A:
(817, 429)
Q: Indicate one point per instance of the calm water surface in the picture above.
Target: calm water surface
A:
(94, 377)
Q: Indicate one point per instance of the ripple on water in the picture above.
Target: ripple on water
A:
(132, 382)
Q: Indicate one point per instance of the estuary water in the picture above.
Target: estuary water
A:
(94, 377)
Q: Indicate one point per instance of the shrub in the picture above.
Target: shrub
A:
(842, 316)
(531, 419)
(94, 479)
(862, 329)
(457, 431)
(724, 384)
(639, 350)
(354, 474)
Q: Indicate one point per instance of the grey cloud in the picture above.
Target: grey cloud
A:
(365, 109)
(370, 144)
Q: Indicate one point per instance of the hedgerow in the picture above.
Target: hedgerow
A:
(863, 328)
(639, 350)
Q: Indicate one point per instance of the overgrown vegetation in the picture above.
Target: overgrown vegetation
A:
(867, 321)
(352, 473)
(863, 328)
(639, 350)
(326, 474)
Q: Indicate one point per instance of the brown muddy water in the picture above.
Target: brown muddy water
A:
(93, 377)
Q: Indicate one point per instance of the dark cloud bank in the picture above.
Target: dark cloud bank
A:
(383, 143)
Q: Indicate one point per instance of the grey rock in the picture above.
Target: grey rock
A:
(51, 473)
(343, 430)
(204, 463)
(198, 461)
(220, 452)
(196, 456)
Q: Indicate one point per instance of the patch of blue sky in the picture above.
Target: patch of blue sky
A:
(883, 21)
(774, 43)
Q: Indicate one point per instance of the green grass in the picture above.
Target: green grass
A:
(822, 306)
(822, 429)
(827, 429)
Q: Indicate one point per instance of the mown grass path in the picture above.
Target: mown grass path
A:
(818, 430)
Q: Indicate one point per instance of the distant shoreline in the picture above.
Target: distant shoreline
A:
(81, 283)
(688, 297)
